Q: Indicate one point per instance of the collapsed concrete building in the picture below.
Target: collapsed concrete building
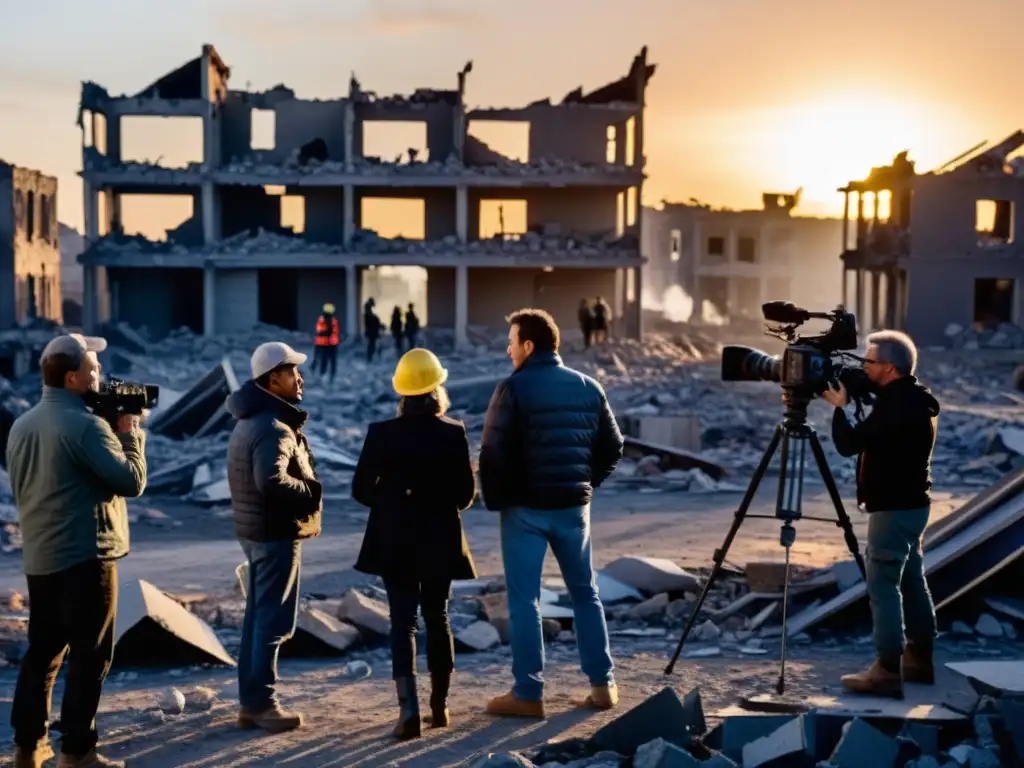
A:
(735, 260)
(233, 264)
(30, 286)
(948, 252)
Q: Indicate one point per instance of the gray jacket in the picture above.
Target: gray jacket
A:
(70, 473)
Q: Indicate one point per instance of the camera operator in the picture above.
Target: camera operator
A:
(894, 448)
(70, 472)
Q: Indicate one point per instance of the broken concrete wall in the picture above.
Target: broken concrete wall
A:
(572, 133)
(585, 211)
(190, 231)
(440, 213)
(297, 122)
(439, 119)
(237, 300)
(217, 75)
(441, 297)
(235, 118)
(317, 287)
(7, 230)
(247, 208)
(322, 206)
(155, 298)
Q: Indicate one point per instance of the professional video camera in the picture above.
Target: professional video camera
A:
(806, 367)
(118, 398)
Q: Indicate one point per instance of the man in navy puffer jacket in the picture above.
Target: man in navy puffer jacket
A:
(549, 440)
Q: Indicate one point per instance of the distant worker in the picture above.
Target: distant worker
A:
(328, 336)
(412, 326)
(894, 447)
(602, 319)
(371, 328)
(396, 328)
(586, 320)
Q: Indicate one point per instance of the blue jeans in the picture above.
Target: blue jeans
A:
(271, 608)
(525, 536)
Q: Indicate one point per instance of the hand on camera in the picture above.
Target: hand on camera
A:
(835, 394)
(126, 422)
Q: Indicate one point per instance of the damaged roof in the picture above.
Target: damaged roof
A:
(625, 89)
(186, 82)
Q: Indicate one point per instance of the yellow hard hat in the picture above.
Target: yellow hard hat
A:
(329, 309)
(418, 372)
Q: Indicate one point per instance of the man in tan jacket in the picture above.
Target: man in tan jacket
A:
(70, 471)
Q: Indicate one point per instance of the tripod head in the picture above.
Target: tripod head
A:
(795, 401)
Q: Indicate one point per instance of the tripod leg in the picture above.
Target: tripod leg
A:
(720, 554)
(788, 537)
(837, 501)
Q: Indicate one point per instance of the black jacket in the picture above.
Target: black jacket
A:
(894, 444)
(415, 475)
(549, 438)
(275, 493)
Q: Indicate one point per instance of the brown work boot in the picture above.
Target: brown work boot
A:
(917, 664)
(603, 697)
(877, 681)
(33, 758)
(273, 719)
(91, 759)
(509, 705)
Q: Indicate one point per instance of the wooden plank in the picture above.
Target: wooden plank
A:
(963, 542)
(977, 506)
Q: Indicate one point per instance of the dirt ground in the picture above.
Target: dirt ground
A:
(349, 720)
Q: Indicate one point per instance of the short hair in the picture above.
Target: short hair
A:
(896, 348)
(537, 326)
(56, 367)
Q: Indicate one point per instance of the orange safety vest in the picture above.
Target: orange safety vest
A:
(325, 338)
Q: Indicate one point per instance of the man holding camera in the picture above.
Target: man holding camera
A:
(277, 500)
(70, 473)
(894, 448)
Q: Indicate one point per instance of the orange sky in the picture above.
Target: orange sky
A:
(750, 95)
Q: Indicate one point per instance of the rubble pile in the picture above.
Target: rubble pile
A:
(368, 241)
(1002, 336)
(668, 732)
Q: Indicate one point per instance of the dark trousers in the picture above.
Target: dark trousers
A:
(271, 608)
(398, 341)
(404, 597)
(586, 336)
(73, 608)
(371, 348)
(325, 358)
(412, 340)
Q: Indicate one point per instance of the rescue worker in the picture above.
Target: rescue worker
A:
(412, 326)
(328, 336)
(416, 476)
(396, 328)
(586, 320)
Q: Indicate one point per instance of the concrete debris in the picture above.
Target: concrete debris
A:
(356, 670)
(328, 632)
(989, 626)
(200, 699)
(613, 591)
(172, 702)
(791, 744)
(491, 760)
(678, 721)
(479, 636)
(660, 754)
(199, 411)
(652, 575)
(863, 745)
(366, 613)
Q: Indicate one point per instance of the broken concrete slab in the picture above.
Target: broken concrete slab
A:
(200, 411)
(178, 476)
(1007, 606)
(740, 727)
(672, 458)
(613, 591)
(660, 754)
(652, 575)
(479, 636)
(1012, 711)
(847, 574)
(318, 633)
(663, 715)
(153, 628)
(925, 736)
(992, 678)
(791, 744)
(211, 493)
(918, 705)
(327, 454)
(862, 745)
(364, 612)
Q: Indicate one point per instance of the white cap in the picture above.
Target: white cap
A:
(73, 344)
(269, 356)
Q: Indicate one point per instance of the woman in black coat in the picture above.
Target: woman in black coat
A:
(416, 476)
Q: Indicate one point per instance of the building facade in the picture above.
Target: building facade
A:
(30, 285)
(947, 252)
(234, 264)
(729, 262)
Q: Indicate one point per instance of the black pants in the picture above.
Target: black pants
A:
(74, 609)
(404, 597)
(398, 341)
(371, 348)
(586, 336)
(326, 358)
(412, 340)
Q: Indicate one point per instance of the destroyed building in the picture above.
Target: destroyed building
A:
(931, 251)
(579, 184)
(735, 260)
(29, 247)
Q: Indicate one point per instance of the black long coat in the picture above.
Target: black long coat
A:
(415, 475)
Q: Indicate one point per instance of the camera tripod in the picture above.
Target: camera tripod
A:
(794, 435)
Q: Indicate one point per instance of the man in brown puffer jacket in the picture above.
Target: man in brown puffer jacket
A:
(277, 502)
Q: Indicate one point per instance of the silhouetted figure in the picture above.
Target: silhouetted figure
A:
(326, 339)
(602, 317)
(372, 328)
(412, 326)
(586, 320)
(396, 328)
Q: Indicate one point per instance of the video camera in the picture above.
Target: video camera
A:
(806, 367)
(118, 398)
